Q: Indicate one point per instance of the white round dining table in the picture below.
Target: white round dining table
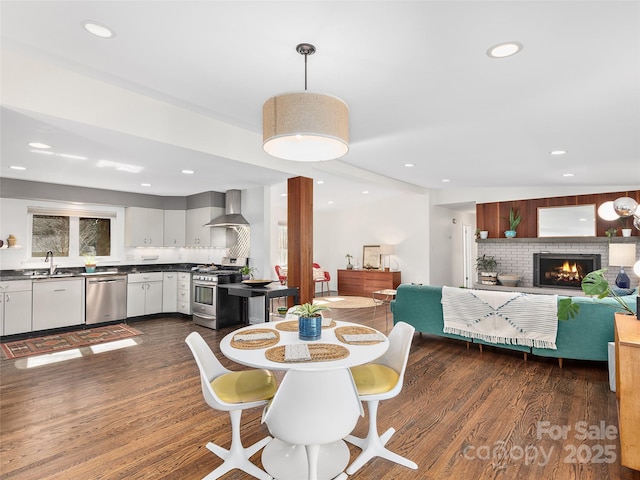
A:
(359, 354)
(280, 459)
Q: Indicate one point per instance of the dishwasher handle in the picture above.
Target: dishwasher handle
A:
(111, 280)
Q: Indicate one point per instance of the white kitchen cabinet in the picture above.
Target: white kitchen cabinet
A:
(184, 293)
(58, 303)
(170, 292)
(175, 224)
(197, 234)
(15, 307)
(143, 227)
(144, 293)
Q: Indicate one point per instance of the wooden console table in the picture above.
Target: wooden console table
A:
(627, 335)
(364, 282)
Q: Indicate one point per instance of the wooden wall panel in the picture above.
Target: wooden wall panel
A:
(494, 216)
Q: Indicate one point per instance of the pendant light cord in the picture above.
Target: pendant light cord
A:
(305, 71)
(305, 49)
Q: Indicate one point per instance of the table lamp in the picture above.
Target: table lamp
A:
(622, 255)
(386, 251)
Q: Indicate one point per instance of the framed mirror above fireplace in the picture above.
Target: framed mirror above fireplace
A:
(571, 221)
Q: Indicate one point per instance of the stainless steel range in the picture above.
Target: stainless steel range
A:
(213, 307)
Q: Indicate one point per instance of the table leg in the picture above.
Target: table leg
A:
(267, 310)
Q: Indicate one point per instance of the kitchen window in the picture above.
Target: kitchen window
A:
(71, 233)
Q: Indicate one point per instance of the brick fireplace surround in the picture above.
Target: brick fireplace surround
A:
(515, 255)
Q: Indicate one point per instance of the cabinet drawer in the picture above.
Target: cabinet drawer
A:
(144, 277)
(15, 286)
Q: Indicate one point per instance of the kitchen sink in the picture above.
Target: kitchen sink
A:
(55, 275)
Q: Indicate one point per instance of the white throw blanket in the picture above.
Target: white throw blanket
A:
(501, 317)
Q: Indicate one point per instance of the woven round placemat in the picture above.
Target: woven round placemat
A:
(255, 344)
(320, 352)
(340, 331)
(292, 326)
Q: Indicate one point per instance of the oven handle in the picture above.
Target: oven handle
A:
(204, 315)
(204, 284)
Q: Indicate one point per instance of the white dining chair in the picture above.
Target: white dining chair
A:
(381, 380)
(314, 408)
(232, 391)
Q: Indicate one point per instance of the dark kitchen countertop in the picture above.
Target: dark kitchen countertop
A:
(41, 273)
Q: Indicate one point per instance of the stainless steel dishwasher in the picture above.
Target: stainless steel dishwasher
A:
(106, 298)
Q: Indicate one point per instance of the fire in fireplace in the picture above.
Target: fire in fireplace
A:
(562, 269)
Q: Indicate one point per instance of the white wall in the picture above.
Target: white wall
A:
(446, 246)
(402, 221)
(256, 206)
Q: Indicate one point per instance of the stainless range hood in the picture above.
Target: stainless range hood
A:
(232, 216)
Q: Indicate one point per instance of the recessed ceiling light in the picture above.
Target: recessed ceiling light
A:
(558, 152)
(17, 167)
(283, 194)
(568, 174)
(330, 202)
(365, 191)
(409, 165)
(74, 157)
(188, 172)
(98, 29)
(145, 184)
(122, 167)
(39, 145)
(445, 180)
(320, 182)
(505, 49)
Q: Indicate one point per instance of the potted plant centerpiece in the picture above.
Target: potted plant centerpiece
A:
(309, 320)
(486, 267)
(514, 220)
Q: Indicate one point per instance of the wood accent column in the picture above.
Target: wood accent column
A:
(300, 237)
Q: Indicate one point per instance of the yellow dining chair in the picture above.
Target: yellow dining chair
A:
(231, 391)
(380, 380)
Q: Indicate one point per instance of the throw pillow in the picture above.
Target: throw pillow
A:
(318, 274)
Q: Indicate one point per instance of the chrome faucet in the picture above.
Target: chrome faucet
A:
(52, 267)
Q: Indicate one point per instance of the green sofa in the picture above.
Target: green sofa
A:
(585, 337)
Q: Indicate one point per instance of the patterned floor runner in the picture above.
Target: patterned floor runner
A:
(67, 340)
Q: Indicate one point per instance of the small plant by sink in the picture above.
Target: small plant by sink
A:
(89, 263)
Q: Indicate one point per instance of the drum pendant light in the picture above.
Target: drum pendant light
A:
(305, 126)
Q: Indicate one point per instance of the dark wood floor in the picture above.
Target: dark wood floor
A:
(138, 413)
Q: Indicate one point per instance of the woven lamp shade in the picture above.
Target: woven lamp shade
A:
(305, 127)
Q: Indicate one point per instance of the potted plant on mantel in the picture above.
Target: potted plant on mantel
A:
(486, 267)
(514, 220)
(625, 225)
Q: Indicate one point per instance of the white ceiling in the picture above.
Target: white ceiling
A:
(415, 75)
